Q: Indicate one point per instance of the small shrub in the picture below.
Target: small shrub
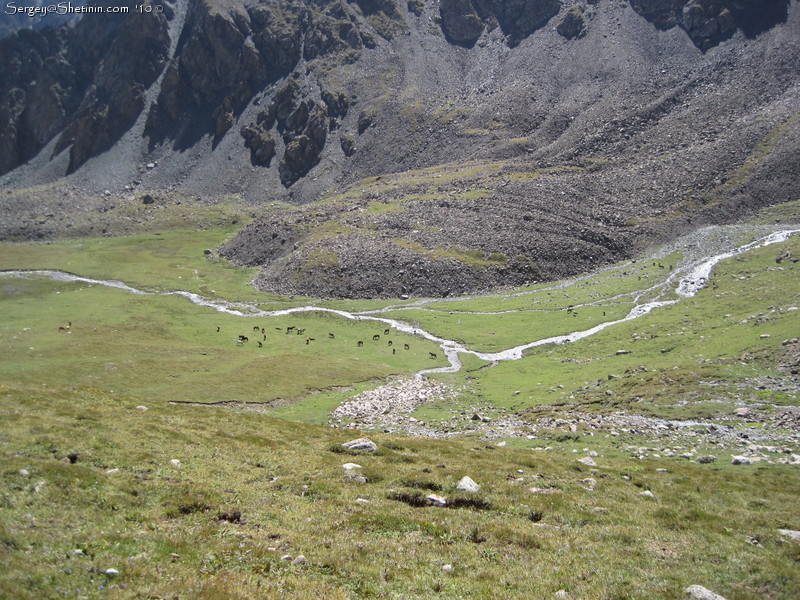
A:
(231, 517)
(536, 516)
(475, 536)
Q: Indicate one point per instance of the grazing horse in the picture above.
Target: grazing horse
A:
(376, 337)
(256, 328)
(393, 350)
(330, 335)
(288, 329)
(265, 336)
(390, 342)
(243, 338)
(301, 331)
(406, 347)
(239, 343)
(432, 354)
(217, 328)
(262, 330)
(260, 345)
(385, 332)
(360, 343)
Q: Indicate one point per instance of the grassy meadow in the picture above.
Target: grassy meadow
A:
(94, 416)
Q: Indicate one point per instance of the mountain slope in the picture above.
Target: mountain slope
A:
(561, 160)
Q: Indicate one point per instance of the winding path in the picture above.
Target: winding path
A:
(684, 281)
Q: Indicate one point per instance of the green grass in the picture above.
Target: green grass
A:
(120, 336)
(703, 338)
(172, 532)
(161, 526)
(173, 259)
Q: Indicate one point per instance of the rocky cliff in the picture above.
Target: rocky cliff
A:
(455, 145)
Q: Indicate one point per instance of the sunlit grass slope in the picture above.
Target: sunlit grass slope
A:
(250, 490)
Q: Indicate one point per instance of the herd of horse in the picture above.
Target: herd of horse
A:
(242, 339)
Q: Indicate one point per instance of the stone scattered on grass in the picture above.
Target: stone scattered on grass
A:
(447, 568)
(467, 484)
(39, 487)
(141, 407)
(112, 572)
(647, 494)
(286, 557)
(351, 466)
(77, 552)
(175, 463)
(352, 477)
(700, 593)
(705, 460)
(741, 460)
(24, 472)
(365, 444)
(536, 490)
(436, 500)
(112, 471)
(561, 594)
(588, 483)
(300, 560)
(790, 533)
(588, 461)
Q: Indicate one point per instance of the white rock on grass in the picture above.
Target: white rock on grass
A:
(561, 594)
(437, 500)
(365, 444)
(351, 466)
(468, 485)
(447, 568)
(698, 592)
(175, 463)
(587, 461)
(648, 494)
(112, 572)
(141, 407)
(300, 560)
(112, 471)
(24, 472)
(740, 460)
(790, 533)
